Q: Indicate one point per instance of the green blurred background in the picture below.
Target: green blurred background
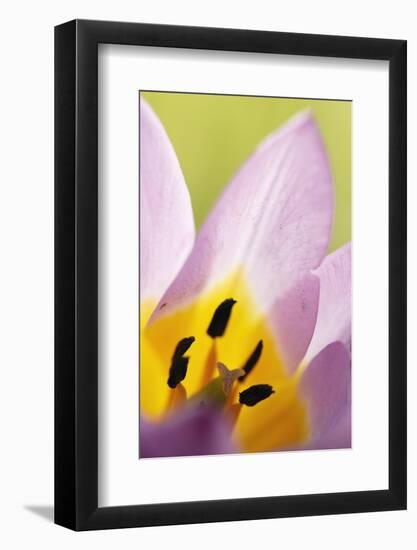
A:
(213, 134)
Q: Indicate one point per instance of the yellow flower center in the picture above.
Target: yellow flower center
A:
(279, 421)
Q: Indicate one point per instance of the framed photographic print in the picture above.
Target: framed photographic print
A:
(230, 337)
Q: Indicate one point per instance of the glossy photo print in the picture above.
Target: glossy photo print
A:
(245, 274)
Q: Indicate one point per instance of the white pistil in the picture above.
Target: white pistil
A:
(228, 376)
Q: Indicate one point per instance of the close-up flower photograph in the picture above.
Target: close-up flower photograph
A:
(209, 250)
(245, 282)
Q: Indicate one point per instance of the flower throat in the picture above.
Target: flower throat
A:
(228, 379)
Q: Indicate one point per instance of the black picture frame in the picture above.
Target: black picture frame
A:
(76, 272)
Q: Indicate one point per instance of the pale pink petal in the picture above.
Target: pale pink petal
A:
(340, 437)
(190, 432)
(166, 218)
(272, 222)
(326, 387)
(293, 318)
(335, 309)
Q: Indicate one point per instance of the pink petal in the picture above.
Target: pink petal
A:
(189, 432)
(166, 218)
(293, 318)
(273, 220)
(335, 311)
(326, 387)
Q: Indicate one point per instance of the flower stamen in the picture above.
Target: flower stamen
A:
(252, 360)
(179, 362)
(210, 364)
(177, 371)
(220, 319)
(176, 398)
(254, 394)
(183, 346)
